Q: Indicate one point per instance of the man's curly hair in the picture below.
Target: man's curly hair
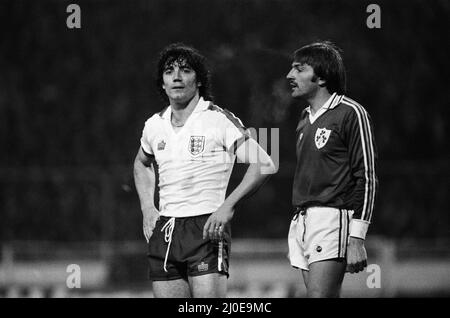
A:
(184, 54)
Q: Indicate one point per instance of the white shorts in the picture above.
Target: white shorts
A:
(317, 234)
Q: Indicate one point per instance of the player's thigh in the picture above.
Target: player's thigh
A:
(305, 275)
(325, 278)
(213, 285)
(177, 288)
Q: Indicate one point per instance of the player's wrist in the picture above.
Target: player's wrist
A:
(358, 228)
(357, 241)
(148, 209)
(228, 206)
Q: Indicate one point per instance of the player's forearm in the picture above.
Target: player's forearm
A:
(144, 179)
(363, 199)
(253, 179)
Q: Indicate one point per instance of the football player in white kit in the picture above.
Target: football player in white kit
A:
(194, 144)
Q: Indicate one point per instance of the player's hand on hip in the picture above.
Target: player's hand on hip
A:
(215, 225)
(150, 216)
(356, 255)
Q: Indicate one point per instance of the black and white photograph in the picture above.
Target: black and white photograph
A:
(247, 150)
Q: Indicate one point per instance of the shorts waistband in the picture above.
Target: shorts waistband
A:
(303, 210)
(165, 217)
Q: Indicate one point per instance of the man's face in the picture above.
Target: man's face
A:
(304, 83)
(180, 82)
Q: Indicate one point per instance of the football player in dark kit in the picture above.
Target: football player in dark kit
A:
(335, 182)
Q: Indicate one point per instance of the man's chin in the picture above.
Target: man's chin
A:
(296, 96)
(179, 97)
(182, 98)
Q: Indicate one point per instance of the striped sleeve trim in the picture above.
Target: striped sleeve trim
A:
(337, 99)
(369, 157)
(147, 154)
(340, 248)
(236, 122)
(343, 232)
(239, 142)
(231, 117)
(161, 113)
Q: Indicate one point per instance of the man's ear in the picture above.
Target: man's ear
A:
(199, 84)
(321, 82)
(318, 80)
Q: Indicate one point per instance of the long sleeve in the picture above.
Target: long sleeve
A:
(363, 157)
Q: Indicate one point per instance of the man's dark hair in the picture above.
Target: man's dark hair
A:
(184, 54)
(325, 59)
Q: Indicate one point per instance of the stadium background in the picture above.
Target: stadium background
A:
(73, 103)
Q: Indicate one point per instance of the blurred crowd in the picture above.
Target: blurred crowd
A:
(73, 103)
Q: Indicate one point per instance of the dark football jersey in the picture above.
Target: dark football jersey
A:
(336, 157)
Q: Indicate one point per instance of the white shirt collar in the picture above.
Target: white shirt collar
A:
(330, 103)
(327, 105)
(201, 106)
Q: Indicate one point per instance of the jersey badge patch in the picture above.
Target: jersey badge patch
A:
(202, 267)
(161, 145)
(321, 138)
(196, 145)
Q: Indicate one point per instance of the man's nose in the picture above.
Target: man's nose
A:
(177, 75)
(289, 75)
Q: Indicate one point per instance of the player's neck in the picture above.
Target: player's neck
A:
(181, 111)
(318, 100)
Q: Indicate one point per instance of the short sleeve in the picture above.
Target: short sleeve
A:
(233, 131)
(146, 138)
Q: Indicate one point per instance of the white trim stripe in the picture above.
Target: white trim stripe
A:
(233, 119)
(341, 234)
(336, 101)
(220, 256)
(369, 157)
(371, 160)
(230, 116)
(364, 156)
(340, 238)
(333, 97)
(347, 231)
(344, 235)
(372, 163)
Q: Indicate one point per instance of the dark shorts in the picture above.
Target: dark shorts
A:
(189, 254)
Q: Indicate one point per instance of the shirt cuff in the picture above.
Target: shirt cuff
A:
(358, 228)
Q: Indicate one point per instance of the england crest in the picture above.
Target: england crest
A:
(161, 145)
(321, 138)
(196, 145)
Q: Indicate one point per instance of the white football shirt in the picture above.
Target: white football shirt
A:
(194, 163)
